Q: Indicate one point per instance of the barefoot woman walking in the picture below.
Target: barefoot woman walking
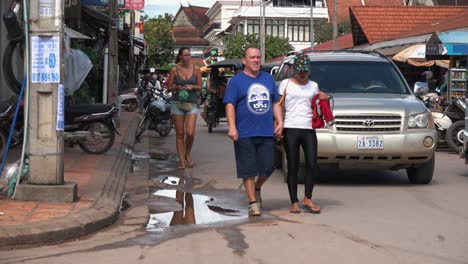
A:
(184, 83)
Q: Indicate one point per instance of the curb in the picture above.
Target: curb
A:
(102, 213)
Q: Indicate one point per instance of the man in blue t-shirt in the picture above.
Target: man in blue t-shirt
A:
(252, 101)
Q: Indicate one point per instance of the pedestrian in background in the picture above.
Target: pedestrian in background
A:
(149, 78)
(184, 82)
(252, 101)
(297, 93)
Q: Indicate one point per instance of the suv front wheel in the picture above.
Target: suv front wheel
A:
(422, 174)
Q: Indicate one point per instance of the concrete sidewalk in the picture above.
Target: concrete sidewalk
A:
(101, 180)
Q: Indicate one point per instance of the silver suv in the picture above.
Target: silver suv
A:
(380, 124)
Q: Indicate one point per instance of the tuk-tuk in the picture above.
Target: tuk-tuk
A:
(220, 73)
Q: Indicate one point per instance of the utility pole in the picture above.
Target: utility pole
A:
(45, 129)
(335, 25)
(131, 55)
(262, 31)
(112, 74)
(312, 34)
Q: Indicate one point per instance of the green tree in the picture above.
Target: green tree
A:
(274, 46)
(158, 36)
(324, 30)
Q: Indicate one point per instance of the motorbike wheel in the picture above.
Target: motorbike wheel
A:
(142, 126)
(165, 133)
(3, 142)
(454, 135)
(132, 105)
(100, 139)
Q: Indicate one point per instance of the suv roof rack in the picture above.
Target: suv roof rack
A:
(372, 52)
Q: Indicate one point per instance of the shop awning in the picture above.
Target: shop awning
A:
(73, 34)
(416, 56)
(445, 44)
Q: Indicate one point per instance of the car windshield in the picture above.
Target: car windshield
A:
(353, 77)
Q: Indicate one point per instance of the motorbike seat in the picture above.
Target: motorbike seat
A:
(74, 111)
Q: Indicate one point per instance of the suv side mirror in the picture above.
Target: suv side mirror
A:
(420, 88)
(274, 70)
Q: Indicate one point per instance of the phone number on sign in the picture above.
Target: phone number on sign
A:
(45, 77)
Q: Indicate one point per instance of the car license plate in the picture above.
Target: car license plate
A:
(370, 142)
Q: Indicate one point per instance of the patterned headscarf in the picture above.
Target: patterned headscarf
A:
(302, 62)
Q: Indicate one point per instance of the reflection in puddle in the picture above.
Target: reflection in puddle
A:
(140, 156)
(195, 210)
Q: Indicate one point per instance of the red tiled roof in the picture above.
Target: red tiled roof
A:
(188, 36)
(191, 41)
(186, 32)
(450, 23)
(198, 61)
(280, 58)
(343, 42)
(343, 6)
(196, 15)
(374, 24)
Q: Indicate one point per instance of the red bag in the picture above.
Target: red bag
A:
(321, 110)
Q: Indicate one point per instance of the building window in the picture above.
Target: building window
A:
(297, 3)
(275, 28)
(299, 30)
(253, 26)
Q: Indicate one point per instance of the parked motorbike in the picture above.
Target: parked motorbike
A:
(449, 123)
(456, 112)
(91, 127)
(156, 115)
(6, 119)
(5, 108)
(130, 101)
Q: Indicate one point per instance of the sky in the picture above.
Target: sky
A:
(153, 8)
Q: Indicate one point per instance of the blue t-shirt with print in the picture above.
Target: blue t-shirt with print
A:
(253, 101)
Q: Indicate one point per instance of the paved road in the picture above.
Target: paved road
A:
(367, 217)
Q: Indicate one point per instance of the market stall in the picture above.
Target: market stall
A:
(453, 46)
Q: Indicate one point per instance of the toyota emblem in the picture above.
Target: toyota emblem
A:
(368, 123)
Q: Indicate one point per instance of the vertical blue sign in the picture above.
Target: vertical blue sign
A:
(61, 108)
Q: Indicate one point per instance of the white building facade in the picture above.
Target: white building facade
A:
(283, 18)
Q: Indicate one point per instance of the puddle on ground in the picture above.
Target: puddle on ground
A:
(196, 210)
(167, 179)
(137, 157)
(161, 156)
(140, 156)
(128, 150)
(163, 165)
(159, 162)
